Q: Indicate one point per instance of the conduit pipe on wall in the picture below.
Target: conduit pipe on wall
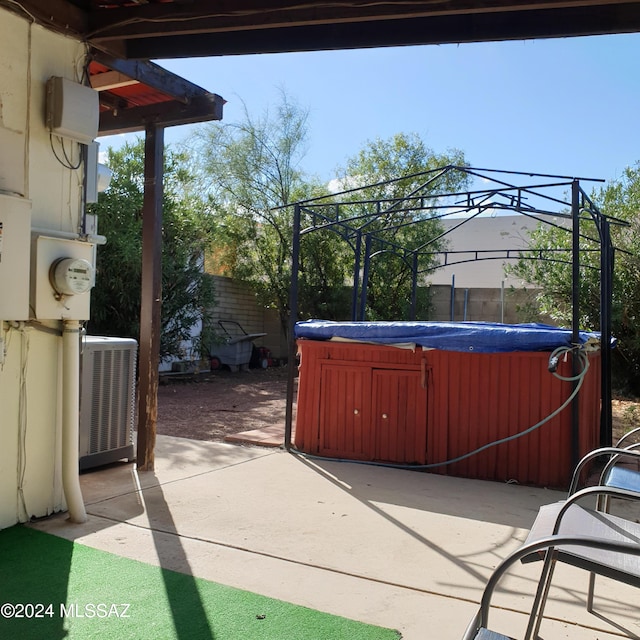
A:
(68, 235)
(71, 419)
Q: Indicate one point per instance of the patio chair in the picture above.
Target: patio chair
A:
(478, 628)
(613, 547)
(567, 518)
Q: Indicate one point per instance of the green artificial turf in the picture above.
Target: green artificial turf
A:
(67, 590)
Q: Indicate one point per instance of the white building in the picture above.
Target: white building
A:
(477, 250)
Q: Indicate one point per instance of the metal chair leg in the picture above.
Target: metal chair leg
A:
(540, 600)
(603, 503)
(590, 593)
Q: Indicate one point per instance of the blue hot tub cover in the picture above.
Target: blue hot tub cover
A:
(483, 337)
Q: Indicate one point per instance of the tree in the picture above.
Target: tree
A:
(384, 161)
(251, 170)
(619, 199)
(186, 231)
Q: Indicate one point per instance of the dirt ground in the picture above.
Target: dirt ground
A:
(626, 415)
(210, 406)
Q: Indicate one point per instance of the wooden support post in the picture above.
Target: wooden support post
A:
(151, 298)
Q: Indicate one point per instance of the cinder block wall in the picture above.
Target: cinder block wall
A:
(484, 305)
(237, 301)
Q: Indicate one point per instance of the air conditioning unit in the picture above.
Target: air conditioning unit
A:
(107, 400)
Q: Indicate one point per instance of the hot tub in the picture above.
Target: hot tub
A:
(421, 393)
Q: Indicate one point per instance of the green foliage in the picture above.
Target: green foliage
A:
(187, 230)
(630, 417)
(401, 229)
(404, 154)
(620, 199)
(325, 267)
(250, 170)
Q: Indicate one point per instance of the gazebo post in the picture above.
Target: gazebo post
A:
(606, 292)
(575, 318)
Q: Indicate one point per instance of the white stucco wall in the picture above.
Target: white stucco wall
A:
(495, 234)
(30, 373)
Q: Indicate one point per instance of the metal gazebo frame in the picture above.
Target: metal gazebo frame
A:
(538, 196)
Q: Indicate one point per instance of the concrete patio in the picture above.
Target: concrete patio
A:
(400, 549)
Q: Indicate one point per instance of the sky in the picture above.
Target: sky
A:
(561, 106)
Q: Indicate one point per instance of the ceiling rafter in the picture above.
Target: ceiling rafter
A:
(111, 80)
(152, 75)
(176, 28)
(152, 20)
(473, 27)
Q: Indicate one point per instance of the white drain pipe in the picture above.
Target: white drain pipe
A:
(71, 419)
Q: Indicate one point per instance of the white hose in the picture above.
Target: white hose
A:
(70, 420)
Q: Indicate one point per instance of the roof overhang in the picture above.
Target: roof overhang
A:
(134, 94)
(156, 29)
(123, 35)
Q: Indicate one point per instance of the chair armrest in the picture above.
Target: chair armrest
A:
(627, 435)
(592, 491)
(613, 452)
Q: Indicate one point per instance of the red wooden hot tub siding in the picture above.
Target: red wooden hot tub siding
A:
(380, 403)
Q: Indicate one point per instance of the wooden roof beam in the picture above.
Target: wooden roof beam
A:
(153, 20)
(111, 80)
(623, 18)
(152, 75)
(165, 114)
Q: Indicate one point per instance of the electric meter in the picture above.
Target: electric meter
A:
(71, 276)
